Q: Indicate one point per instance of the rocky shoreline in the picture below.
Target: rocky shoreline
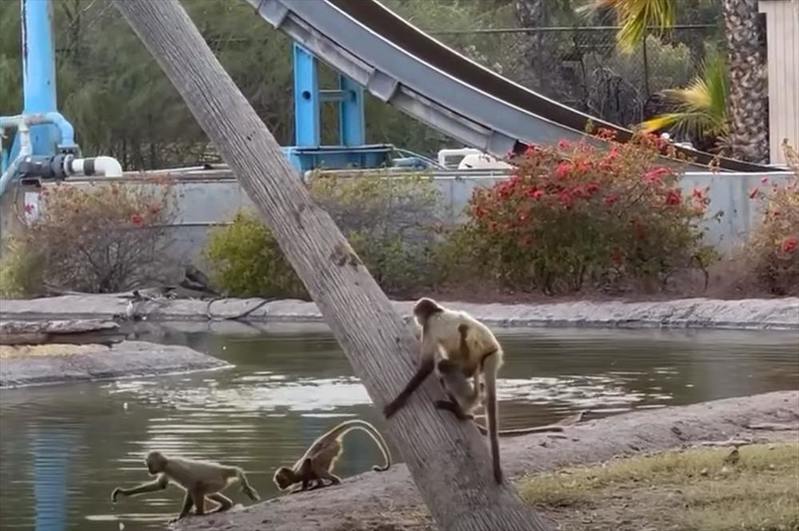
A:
(747, 314)
(389, 500)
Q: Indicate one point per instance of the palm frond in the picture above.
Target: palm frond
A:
(635, 17)
(701, 107)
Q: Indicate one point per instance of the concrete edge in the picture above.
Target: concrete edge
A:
(745, 314)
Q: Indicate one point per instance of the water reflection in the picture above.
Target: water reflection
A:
(64, 448)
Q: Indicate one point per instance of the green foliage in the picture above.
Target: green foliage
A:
(246, 261)
(391, 223)
(21, 271)
(773, 249)
(701, 107)
(671, 64)
(574, 213)
(102, 238)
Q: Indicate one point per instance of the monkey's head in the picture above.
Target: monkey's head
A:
(284, 477)
(424, 308)
(156, 462)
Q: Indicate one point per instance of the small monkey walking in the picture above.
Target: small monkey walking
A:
(317, 462)
(200, 479)
(458, 347)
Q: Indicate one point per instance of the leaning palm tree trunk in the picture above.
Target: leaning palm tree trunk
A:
(748, 105)
(448, 460)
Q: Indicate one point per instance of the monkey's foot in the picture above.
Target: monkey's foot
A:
(453, 408)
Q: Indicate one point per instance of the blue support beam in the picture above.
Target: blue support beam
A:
(351, 152)
(307, 99)
(352, 128)
(38, 72)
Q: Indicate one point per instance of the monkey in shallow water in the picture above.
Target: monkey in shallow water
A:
(316, 465)
(200, 480)
(458, 347)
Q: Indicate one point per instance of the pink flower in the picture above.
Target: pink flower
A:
(790, 244)
(609, 200)
(563, 169)
(592, 188)
(564, 144)
(137, 220)
(673, 198)
(655, 176)
(29, 208)
(537, 194)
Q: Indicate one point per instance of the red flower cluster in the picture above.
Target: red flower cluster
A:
(573, 209)
(790, 244)
(673, 197)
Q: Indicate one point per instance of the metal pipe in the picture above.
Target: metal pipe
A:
(38, 70)
(34, 119)
(25, 149)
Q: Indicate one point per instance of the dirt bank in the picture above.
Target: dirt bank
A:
(389, 500)
(24, 365)
(776, 314)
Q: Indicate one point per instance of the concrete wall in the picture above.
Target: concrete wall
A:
(207, 201)
(782, 30)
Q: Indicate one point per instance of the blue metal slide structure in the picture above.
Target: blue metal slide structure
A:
(403, 66)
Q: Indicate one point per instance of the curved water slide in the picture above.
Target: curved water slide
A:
(405, 67)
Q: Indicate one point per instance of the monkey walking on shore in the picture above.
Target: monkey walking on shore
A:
(459, 348)
(316, 464)
(200, 480)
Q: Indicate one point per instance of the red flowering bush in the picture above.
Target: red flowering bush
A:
(574, 213)
(773, 249)
(100, 238)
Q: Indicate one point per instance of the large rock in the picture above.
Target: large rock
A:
(35, 332)
(61, 363)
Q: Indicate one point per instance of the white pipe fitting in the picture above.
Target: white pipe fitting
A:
(105, 166)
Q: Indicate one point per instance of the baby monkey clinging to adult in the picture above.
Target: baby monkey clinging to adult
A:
(458, 347)
(200, 479)
(317, 463)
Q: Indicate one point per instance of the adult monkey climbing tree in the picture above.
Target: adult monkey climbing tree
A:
(448, 460)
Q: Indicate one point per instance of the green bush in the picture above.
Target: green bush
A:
(392, 223)
(574, 214)
(246, 261)
(21, 271)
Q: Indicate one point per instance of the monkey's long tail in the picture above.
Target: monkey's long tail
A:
(548, 428)
(357, 424)
(246, 488)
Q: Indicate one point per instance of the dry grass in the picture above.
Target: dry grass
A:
(688, 490)
(53, 349)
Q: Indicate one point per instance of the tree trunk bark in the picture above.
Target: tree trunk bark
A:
(748, 98)
(448, 460)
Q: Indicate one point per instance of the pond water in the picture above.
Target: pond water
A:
(64, 448)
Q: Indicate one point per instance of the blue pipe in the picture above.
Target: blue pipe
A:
(48, 119)
(38, 71)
